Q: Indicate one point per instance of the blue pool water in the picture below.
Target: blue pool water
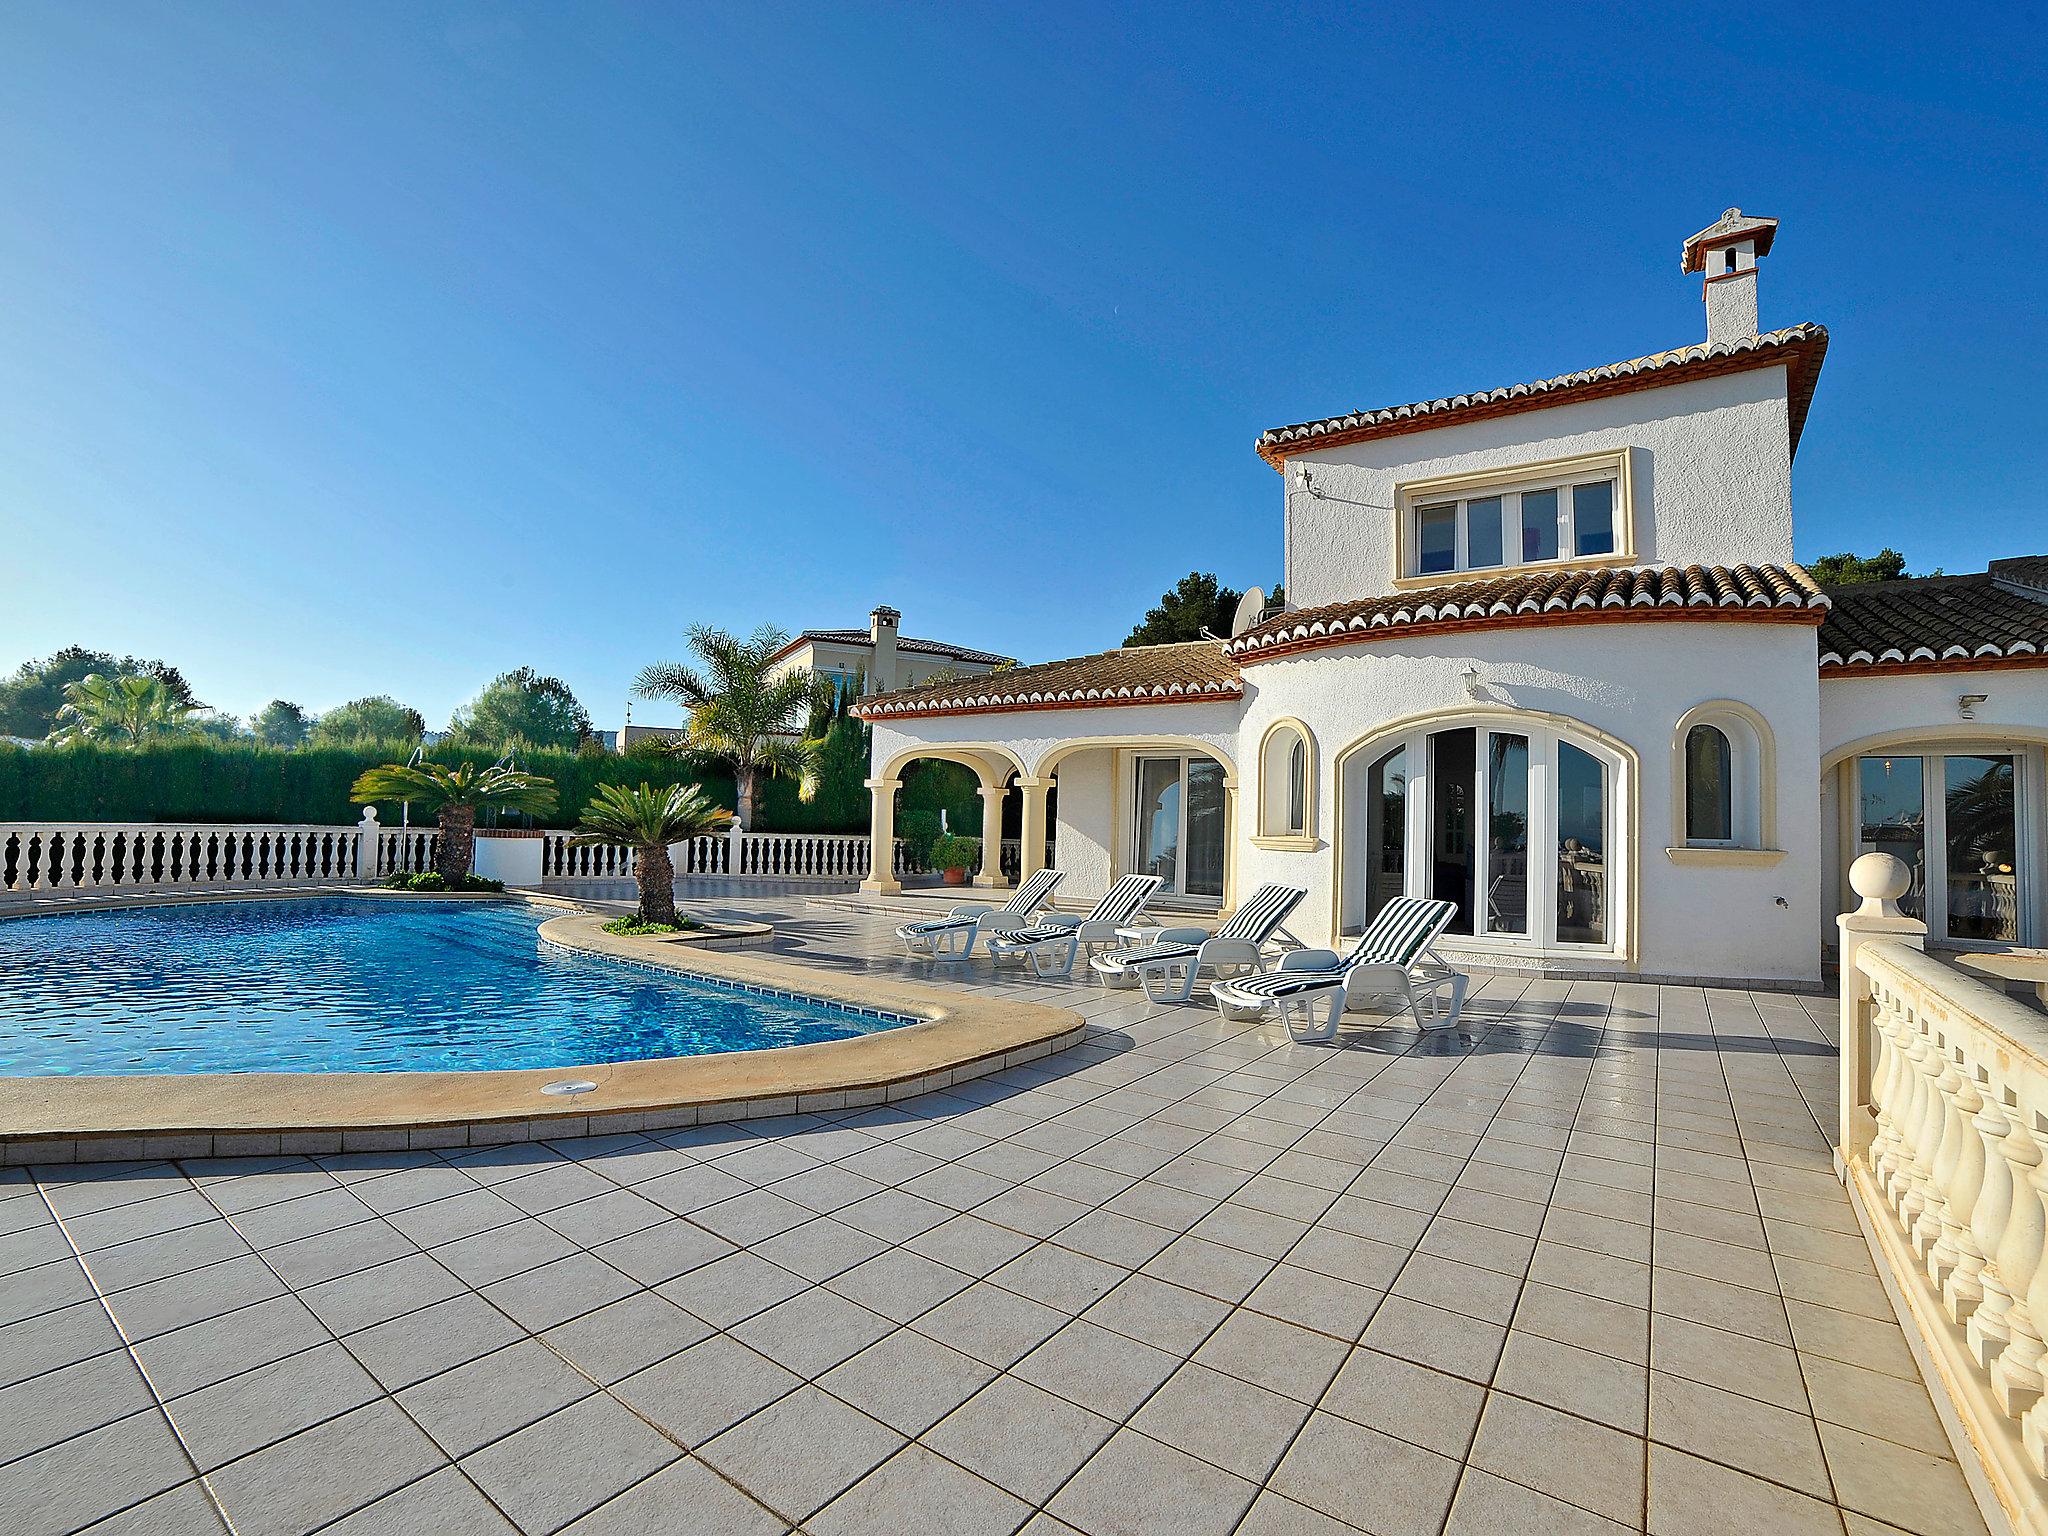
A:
(356, 985)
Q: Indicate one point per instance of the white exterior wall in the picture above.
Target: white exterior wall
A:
(910, 667)
(1633, 682)
(1085, 825)
(1712, 466)
(1032, 737)
(1920, 712)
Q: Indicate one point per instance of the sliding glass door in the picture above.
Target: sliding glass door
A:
(1953, 819)
(1180, 824)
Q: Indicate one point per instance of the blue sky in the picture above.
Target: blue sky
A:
(380, 348)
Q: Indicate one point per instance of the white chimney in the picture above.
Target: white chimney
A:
(882, 624)
(1727, 251)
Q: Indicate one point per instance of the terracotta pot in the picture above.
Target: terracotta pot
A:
(954, 877)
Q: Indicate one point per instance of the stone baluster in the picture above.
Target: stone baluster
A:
(1923, 1223)
(1956, 1260)
(2016, 1374)
(2013, 1153)
(1884, 1089)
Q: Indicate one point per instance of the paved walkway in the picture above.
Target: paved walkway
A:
(1582, 1269)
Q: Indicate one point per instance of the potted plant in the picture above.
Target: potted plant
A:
(955, 857)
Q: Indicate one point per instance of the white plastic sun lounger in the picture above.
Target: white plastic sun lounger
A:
(1240, 942)
(1051, 945)
(952, 937)
(1393, 957)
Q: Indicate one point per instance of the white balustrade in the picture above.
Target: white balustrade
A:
(762, 855)
(60, 858)
(1943, 1135)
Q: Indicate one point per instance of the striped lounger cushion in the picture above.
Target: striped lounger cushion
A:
(1150, 954)
(1037, 935)
(1403, 929)
(938, 925)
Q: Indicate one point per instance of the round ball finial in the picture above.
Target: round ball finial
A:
(1879, 877)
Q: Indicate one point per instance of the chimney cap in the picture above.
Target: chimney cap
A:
(882, 613)
(1733, 225)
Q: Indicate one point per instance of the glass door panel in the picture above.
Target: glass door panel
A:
(1891, 817)
(1507, 838)
(1204, 834)
(1159, 800)
(1581, 847)
(1981, 840)
(1453, 765)
(1386, 830)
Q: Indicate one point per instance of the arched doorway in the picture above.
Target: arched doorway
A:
(1523, 822)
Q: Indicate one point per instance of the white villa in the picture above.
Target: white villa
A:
(1546, 654)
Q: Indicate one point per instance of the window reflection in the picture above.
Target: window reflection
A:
(1581, 847)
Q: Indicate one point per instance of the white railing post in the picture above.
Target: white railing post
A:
(1880, 880)
(369, 841)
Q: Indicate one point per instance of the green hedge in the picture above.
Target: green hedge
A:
(213, 781)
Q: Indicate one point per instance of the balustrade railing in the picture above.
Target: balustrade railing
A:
(65, 857)
(1944, 1142)
(764, 855)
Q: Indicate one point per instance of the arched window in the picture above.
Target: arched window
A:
(1287, 786)
(1709, 786)
(1723, 779)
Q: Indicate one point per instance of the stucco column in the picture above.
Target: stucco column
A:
(1032, 855)
(881, 880)
(991, 836)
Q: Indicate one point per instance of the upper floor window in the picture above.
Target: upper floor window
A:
(1570, 510)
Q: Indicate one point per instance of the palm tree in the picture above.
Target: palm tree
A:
(742, 713)
(648, 820)
(122, 710)
(457, 794)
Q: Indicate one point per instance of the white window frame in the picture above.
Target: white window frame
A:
(1541, 911)
(1934, 828)
(1510, 484)
(1178, 889)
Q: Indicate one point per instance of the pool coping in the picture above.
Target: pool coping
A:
(958, 1036)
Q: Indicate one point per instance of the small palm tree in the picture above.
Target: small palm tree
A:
(457, 794)
(742, 712)
(648, 820)
(124, 711)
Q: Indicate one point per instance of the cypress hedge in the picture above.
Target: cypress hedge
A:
(203, 780)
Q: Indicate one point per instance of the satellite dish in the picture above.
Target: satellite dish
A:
(1249, 607)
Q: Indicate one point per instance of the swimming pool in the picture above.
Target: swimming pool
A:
(358, 984)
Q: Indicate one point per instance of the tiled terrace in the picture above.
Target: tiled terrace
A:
(1584, 1269)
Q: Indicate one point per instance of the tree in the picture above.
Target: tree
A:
(122, 711)
(455, 795)
(648, 820)
(742, 713)
(32, 695)
(1847, 570)
(525, 709)
(377, 718)
(281, 723)
(1196, 604)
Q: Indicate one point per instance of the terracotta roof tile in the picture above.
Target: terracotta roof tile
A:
(1940, 621)
(1693, 592)
(1801, 346)
(1148, 674)
(903, 643)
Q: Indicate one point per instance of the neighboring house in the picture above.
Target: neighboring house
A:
(1546, 655)
(880, 658)
(872, 660)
